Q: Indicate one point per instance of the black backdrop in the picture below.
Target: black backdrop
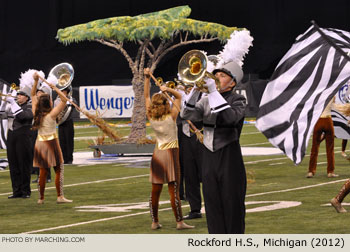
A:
(28, 30)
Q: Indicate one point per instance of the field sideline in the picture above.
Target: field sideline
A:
(113, 198)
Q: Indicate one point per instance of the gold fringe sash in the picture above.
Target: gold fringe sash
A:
(173, 144)
(47, 137)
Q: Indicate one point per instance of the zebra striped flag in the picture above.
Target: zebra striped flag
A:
(340, 121)
(303, 83)
(341, 125)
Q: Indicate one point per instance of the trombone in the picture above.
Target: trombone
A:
(159, 82)
(8, 95)
(176, 84)
(192, 69)
(12, 87)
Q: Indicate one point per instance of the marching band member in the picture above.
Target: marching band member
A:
(19, 148)
(66, 127)
(165, 160)
(47, 152)
(223, 171)
(190, 149)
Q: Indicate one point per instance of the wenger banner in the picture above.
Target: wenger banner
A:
(108, 101)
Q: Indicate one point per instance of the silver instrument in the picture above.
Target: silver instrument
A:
(64, 73)
(192, 69)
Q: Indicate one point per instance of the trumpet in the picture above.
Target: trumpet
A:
(192, 69)
(8, 95)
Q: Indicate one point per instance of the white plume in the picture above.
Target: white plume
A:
(210, 66)
(52, 79)
(26, 78)
(236, 48)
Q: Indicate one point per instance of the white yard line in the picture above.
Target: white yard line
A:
(114, 179)
(297, 188)
(95, 221)
(285, 157)
(87, 183)
(165, 209)
(277, 163)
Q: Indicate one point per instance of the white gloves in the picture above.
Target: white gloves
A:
(10, 99)
(211, 85)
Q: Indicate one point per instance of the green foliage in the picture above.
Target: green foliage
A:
(161, 24)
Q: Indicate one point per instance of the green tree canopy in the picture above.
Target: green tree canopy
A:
(171, 26)
(161, 24)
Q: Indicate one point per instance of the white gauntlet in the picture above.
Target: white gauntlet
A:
(217, 103)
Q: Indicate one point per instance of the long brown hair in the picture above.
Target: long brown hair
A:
(159, 106)
(42, 109)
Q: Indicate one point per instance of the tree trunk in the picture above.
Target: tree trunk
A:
(138, 118)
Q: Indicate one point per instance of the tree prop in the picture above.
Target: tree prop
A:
(173, 28)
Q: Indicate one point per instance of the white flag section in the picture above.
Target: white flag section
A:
(3, 118)
(303, 83)
(340, 121)
(107, 101)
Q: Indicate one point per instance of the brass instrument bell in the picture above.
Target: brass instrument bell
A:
(170, 84)
(192, 69)
(192, 66)
(14, 86)
(64, 73)
(160, 81)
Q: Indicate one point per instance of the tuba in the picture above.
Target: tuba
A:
(64, 74)
(192, 69)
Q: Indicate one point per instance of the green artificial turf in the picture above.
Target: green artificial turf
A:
(272, 178)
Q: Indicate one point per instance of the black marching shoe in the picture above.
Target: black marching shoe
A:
(14, 196)
(193, 215)
(25, 196)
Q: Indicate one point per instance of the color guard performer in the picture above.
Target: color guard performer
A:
(47, 152)
(165, 166)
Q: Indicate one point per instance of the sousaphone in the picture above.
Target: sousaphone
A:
(64, 74)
